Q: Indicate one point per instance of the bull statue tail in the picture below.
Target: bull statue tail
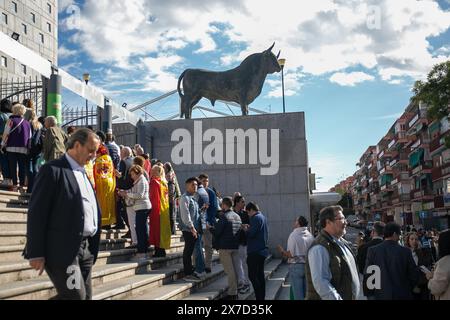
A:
(179, 83)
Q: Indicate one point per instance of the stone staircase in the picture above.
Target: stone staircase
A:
(114, 276)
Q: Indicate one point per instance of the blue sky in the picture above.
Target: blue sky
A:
(350, 64)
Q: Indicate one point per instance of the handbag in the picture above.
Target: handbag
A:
(5, 141)
(129, 202)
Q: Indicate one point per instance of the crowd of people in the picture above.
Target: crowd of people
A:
(386, 266)
(122, 187)
(127, 190)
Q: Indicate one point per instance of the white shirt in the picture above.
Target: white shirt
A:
(298, 244)
(88, 196)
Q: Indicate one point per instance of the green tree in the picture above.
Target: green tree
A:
(435, 92)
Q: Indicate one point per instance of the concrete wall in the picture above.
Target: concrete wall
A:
(282, 197)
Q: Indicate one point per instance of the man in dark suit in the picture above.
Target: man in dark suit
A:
(64, 220)
(399, 274)
(376, 236)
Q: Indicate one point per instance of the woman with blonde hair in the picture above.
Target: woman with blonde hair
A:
(35, 149)
(160, 233)
(15, 140)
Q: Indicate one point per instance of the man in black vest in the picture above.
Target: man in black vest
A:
(397, 269)
(64, 220)
(331, 272)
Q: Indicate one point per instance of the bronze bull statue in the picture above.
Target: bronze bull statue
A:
(242, 84)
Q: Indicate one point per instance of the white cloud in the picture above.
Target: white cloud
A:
(316, 37)
(394, 116)
(158, 77)
(350, 79)
(64, 4)
(292, 85)
(330, 167)
(64, 52)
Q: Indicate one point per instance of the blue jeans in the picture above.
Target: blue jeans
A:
(199, 257)
(5, 165)
(32, 171)
(297, 279)
(15, 159)
(142, 230)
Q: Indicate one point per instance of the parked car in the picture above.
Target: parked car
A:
(369, 225)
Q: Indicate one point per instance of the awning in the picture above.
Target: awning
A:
(434, 127)
(416, 158)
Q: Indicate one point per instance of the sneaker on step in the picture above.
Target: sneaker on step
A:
(200, 275)
(192, 277)
(245, 289)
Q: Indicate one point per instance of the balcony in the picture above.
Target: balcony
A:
(436, 174)
(413, 121)
(439, 202)
(422, 194)
(391, 144)
(436, 144)
(423, 168)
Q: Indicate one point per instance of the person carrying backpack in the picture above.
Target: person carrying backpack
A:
(35, 145)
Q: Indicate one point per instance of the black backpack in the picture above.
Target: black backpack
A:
(36, 143)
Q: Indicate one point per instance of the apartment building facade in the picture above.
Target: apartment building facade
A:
(34, 23)
(406, 177)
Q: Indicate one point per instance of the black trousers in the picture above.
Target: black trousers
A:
(255, 264)
(74, 282)
(142, 230)
(189, 245)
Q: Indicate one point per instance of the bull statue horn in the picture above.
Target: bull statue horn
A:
(270, 49)
(279, 53)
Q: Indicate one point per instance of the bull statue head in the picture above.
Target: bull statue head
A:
(271, 61)
(241, 85)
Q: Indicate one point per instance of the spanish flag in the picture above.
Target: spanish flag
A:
(160, 232)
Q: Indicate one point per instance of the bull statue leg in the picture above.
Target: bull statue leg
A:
(190, 105)
(244, 108)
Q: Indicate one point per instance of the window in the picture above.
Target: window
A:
(49, 27)
(49, 7)
(4, 62)
(41, 35)
(33, 17)
(24, 28)
(4, 18)
(14, 6)
(24, 69)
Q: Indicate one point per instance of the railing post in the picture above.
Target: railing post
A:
(54, 97)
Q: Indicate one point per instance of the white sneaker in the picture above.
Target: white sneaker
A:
(200, 275)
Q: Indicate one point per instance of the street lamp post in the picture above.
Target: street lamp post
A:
(282, 63)
(86, 78)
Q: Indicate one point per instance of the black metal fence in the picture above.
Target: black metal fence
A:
(20, 89)
(76, 116)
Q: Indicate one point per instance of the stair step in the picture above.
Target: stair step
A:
(275, 282)
(214, 291)
(13, 213)
(13, 252)
(13, 224)
(103, 277)
(180, 288)
(219, 288)
(10, 238)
